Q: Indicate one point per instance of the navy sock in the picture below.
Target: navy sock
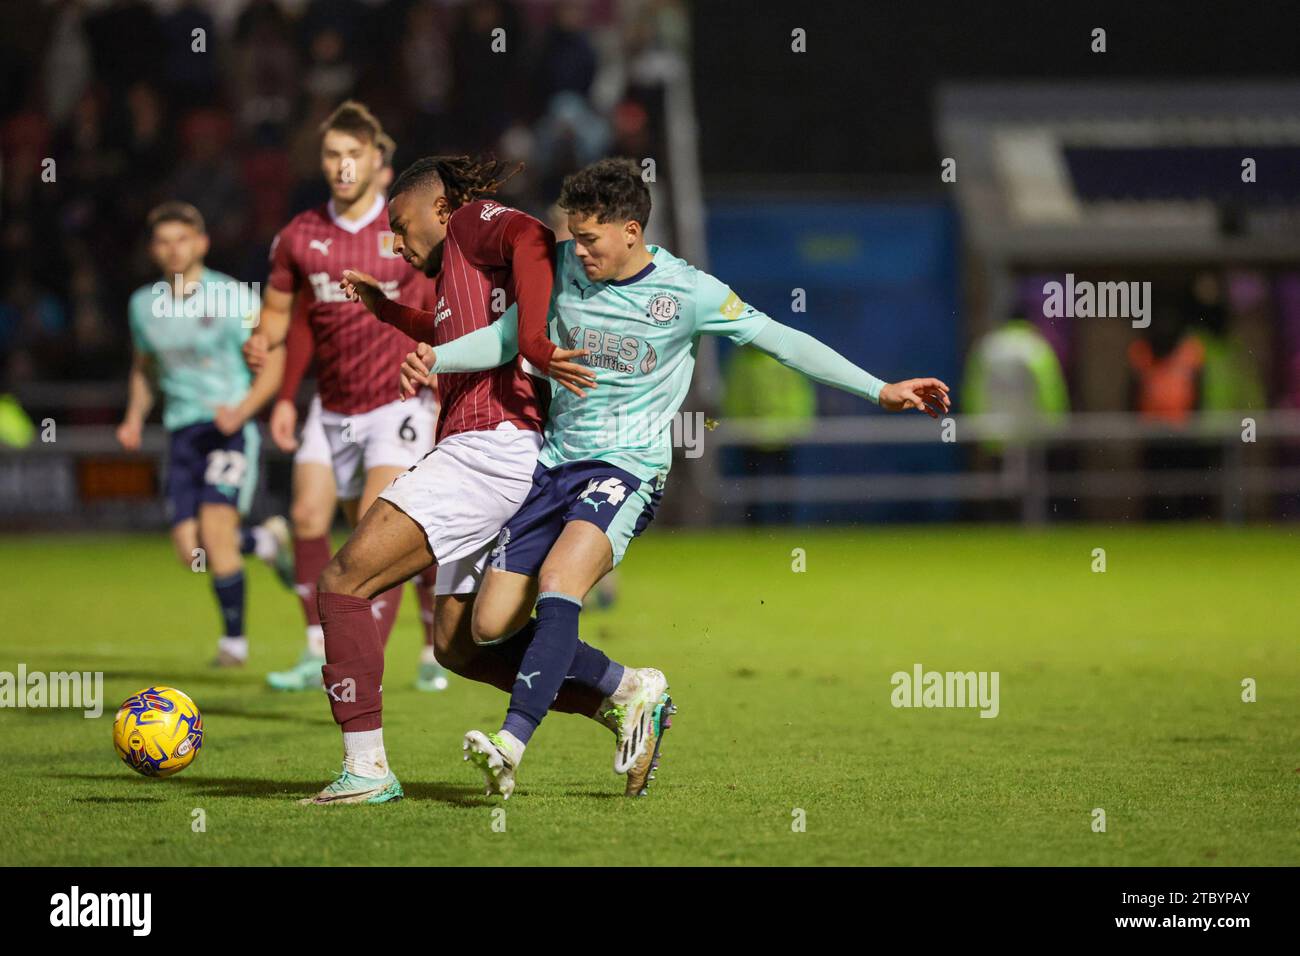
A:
(545, 663)
(230, 595)
(590, 667)
(247, 542)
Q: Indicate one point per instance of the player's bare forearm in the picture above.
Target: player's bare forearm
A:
(138, 404)
(274, 326)
(140, 396)
(265, 384)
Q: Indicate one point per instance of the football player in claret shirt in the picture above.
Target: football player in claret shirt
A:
(485, 258)
(636, 312)
(357, 437)
(188, 330)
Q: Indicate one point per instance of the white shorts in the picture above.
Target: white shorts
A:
(397, 434)
(462, 493)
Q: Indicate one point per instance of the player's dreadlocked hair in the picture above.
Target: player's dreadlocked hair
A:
(463, 178)
(612, 190)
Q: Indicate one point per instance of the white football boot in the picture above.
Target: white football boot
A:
(496, 757)
(631, 716)
(643, 768)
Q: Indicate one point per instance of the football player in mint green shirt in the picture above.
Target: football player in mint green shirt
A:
(633, 314)
(188, 329)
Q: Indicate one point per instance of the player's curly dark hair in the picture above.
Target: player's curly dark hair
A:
(463, 178)
(612, 190)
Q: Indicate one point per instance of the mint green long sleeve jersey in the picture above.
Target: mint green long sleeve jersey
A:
(642, 334)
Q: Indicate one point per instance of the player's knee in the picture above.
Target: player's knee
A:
(336, 579)
(488, 627)
(309, 519)
(224, 561)
(553, 580)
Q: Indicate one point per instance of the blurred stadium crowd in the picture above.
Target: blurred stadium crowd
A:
(119, 97)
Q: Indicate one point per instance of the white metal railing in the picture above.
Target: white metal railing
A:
(1019, 471)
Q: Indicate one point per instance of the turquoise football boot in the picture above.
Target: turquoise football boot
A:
(304, 675)
(351, 788)
(432, 677)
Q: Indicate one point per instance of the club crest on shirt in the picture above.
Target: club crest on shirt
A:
(386, 246)
(663, 308)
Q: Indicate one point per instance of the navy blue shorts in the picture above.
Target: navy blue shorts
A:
(615, 501)
(207, 467)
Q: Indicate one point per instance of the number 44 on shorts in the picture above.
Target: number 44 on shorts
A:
(612, 488)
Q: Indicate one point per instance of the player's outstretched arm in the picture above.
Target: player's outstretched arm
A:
(821, 363)
(363, 288)
(138, 404)
(482, 349)
(487, 348)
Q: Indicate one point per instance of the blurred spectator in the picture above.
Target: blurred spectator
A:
(111, 110)
(263, 87)
(485, 78)
(1229, 379)
(67, 62)
(329, 75)
(567, 63)
(1014, 371)
(1167, 364)
(189, 54)
(209, 178)
(426, 65)
(782, 404)
(571, 135)
(126, 44)
(32, 327)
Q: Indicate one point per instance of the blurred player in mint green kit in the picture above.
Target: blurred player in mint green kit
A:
(188, 330)
(636, 312)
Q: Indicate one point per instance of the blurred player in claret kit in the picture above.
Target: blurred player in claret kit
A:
(188, 330)
(486, 258)
(357, 436)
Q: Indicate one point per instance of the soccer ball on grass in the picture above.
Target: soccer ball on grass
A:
(158, 731)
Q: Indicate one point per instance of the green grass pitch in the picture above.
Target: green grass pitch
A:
(1119, 690)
